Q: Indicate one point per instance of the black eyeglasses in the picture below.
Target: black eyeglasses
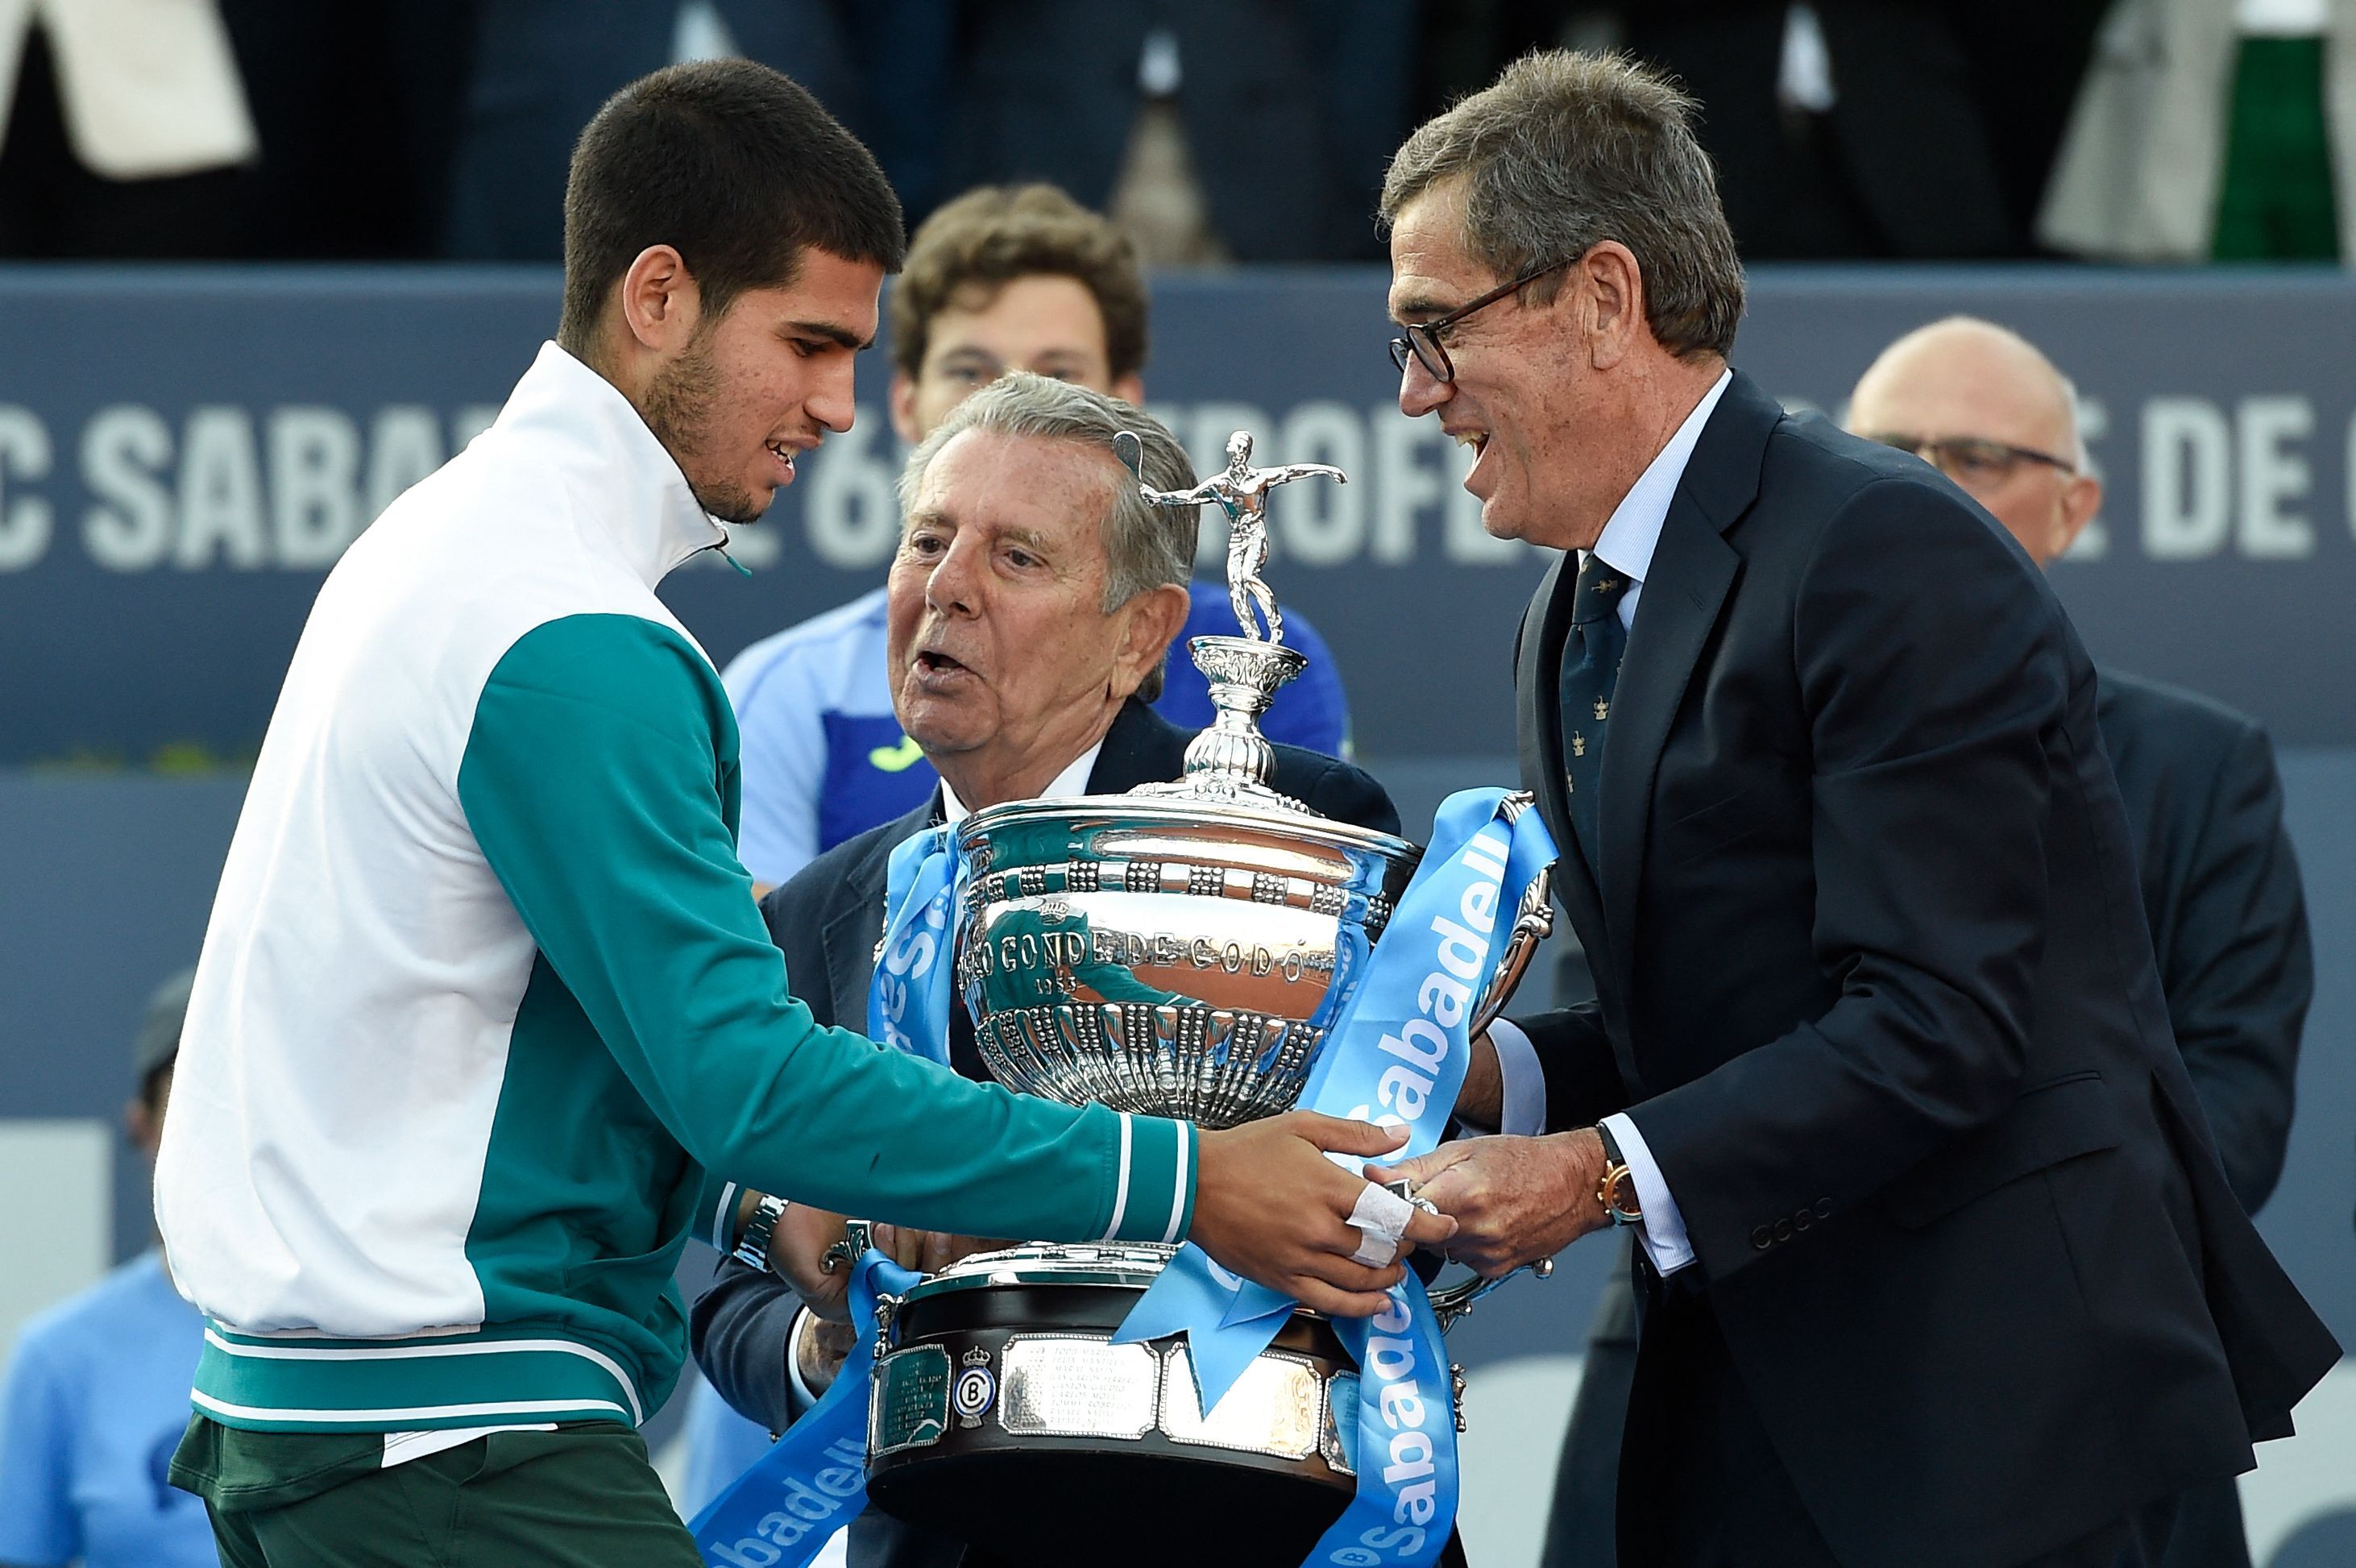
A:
(1973, 461)
(1422, 338)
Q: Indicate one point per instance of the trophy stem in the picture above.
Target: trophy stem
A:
(1232, 758)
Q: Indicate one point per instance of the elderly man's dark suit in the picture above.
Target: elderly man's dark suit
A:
(1873, 976)
(2228, 922)
(827, 919)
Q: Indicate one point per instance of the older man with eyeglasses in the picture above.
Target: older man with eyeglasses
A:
(2220, 887)
(1935, 1266)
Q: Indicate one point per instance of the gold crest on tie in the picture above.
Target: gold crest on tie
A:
(1602, 709)
(1578, 744)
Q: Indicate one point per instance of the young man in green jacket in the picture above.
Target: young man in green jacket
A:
(486, 1022)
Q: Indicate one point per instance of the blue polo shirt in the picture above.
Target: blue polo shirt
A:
(823, 758)
(97, 1398)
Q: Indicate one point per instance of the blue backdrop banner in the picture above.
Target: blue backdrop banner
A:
(184, 452)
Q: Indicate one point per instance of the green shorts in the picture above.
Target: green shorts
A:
(580, 1497)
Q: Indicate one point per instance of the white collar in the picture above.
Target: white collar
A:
(1628, 540)
(624, 479)
(1071, 781)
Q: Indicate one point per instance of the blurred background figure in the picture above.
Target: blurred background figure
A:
(2213, 128)
(1841, 129)
(98, 1393)
(126, 125)
(1213, 130)
(355, 106)
(1002, 278)
(542, 66)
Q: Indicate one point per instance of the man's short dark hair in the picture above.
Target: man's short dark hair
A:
(734, 166)
(1567, 150)
(994, 234)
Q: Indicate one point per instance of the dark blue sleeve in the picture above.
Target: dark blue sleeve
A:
(737, 1330)
(2238, 968)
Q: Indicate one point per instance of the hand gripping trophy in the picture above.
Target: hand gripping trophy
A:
(1241, 491)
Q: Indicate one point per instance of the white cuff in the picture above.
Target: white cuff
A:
(1522, 1084)
(1663, 1231)
(724, 1219)
(799, 1398)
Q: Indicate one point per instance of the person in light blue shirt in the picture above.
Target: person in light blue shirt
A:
(97, 1393)
(1001, 279)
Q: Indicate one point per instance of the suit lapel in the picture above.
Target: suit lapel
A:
(1538, 726)
(1693, 570)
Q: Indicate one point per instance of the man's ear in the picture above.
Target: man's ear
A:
(1129, 389)
(903, 407)
(2082, 498)
(142, 1126)
(660, 304)
(1155, 616)
(1614, 286)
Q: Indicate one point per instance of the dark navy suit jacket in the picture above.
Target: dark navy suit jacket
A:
(1875, 984)
(2221, 896)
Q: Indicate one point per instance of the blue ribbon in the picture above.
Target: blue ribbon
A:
(813, 1481)
(909, 997)
(1405, 1450)
(1396, 1057)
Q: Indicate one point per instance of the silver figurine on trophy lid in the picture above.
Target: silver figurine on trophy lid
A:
(1182, 950)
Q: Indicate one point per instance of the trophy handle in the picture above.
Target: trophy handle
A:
(1450, 1303)
(1533, 922)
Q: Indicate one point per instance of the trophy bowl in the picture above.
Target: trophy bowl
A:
(1170, 957)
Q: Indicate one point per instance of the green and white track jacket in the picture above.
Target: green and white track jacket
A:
(485, 1011)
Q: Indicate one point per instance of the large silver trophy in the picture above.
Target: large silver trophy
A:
(1181, 950)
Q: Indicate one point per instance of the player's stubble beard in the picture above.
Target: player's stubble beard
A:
(677, 408)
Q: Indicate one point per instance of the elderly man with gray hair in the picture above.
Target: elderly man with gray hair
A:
(1936, 1266)
(1031, 604)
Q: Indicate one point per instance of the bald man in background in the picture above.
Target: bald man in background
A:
(2221, 886)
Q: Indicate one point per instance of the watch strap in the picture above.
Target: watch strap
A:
(1611, 1154)
(751, 1247)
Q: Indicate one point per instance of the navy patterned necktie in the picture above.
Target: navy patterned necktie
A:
(1590, 670)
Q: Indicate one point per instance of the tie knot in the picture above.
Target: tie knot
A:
(1599, 589)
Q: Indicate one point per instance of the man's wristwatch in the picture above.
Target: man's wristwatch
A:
(752, 1243)
(1617, 1191)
